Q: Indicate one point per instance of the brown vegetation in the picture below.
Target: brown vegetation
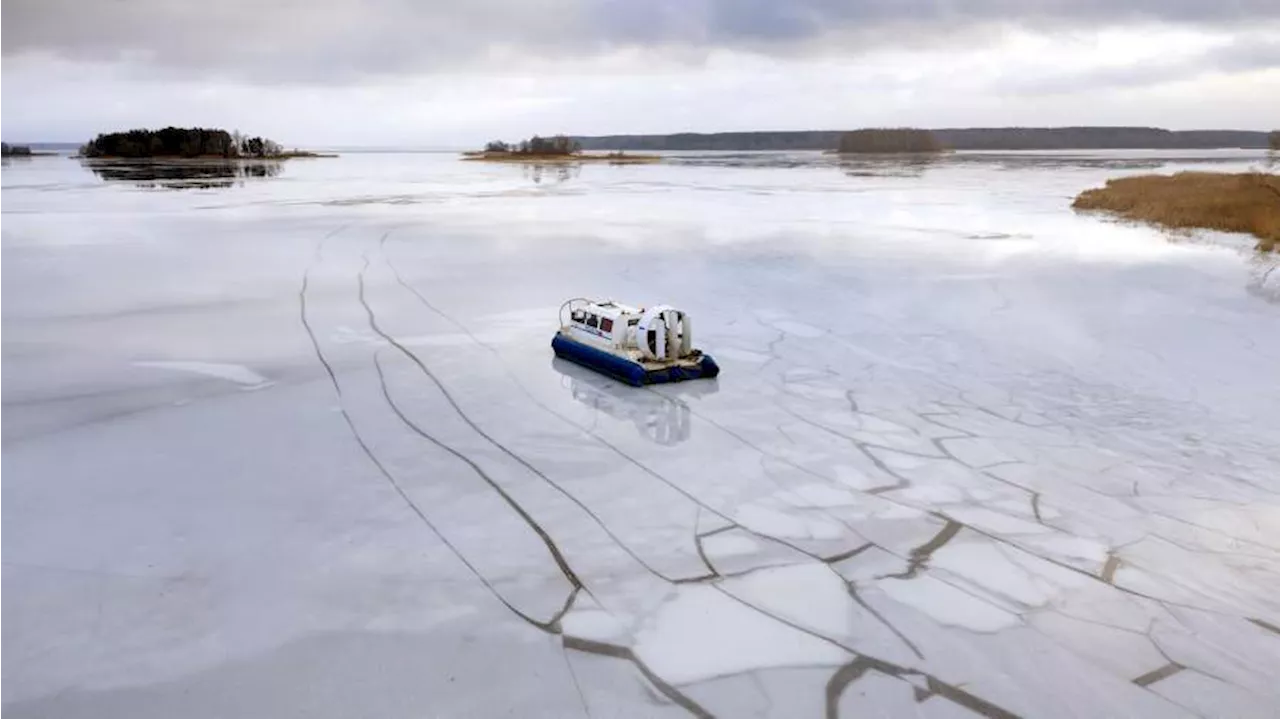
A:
(1244, 202)
(889, 140)
(1273, 140)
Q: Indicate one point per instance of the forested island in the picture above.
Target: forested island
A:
(7, 150)
(186, 143)
(557, 148)
(992, 138)
(896, 140)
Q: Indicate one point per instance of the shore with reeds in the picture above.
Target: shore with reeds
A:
(1246, 202)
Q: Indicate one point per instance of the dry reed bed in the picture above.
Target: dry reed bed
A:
(1242, 202)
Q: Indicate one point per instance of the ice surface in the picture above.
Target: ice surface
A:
(820, 495)
(778, 523)
(234, 373)
(703, 632)
(947, 604)
(298, 446)
(727, 545)
(809, 595)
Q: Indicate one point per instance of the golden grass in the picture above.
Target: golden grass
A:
(291, 154)
(541, 159)
(1242, 202)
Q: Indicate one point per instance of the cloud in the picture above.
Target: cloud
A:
(342, 41)
(1243, 53)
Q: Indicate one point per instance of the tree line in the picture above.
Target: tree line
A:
(889, 140)
(7, 150)
(536, 145)
(180, 142)
(975, 138)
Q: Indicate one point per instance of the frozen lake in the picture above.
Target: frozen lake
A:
(294, 443)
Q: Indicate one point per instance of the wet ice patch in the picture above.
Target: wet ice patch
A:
(1126, 654)
(817, 495)
(986, 566)
(736, 551)
(440, 340)
(729, 545)
(851, 476)
(976, 452)
(809, 595)
(995, 522)
(882, 696)
(774, 523)
(948, 605)
(702, 633)
(932, 494)
(455, 339)
(594, 624)
(869, 566)
(1209, 696)
(344, 335)
(1065, 547)
(533, 317)
(741, 355)
(799, 329)
(241, 375)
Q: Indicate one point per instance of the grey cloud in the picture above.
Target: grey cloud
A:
(281, 39)
(1248, 52)
(733, 22)
(341, 40)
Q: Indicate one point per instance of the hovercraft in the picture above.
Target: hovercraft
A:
(636, 345)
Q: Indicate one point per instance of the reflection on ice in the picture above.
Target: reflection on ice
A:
(559, 171)
(183, 174)
(907, 165)
(660, 416)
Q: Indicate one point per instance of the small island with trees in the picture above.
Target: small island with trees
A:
(7, 150)
(889, 141)
(187, 144)
(558, 148)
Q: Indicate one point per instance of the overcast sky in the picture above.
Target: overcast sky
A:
(457, 72)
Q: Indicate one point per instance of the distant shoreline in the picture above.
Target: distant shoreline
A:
(538, 159)
(971, 138)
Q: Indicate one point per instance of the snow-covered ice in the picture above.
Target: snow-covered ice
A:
(234, 373)
(298, 446)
